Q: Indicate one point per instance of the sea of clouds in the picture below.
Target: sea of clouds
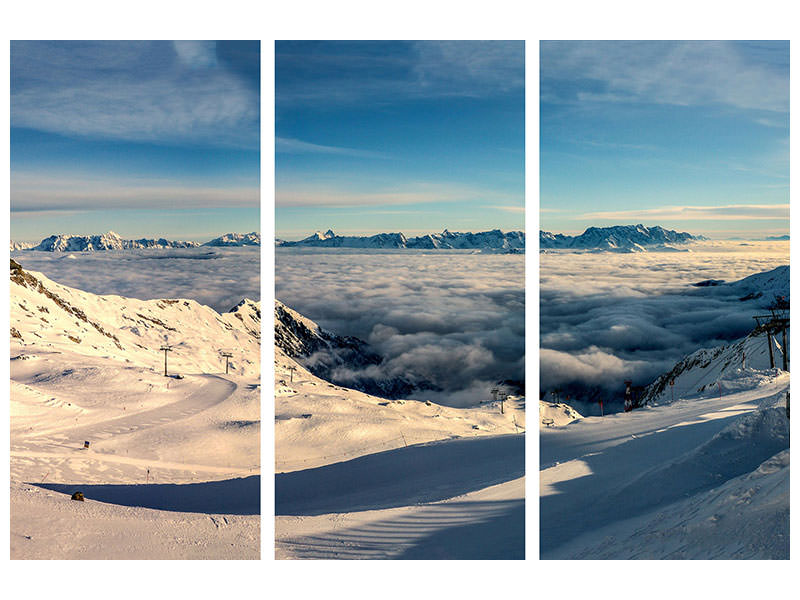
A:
(607, 317)
(453, 318)
(217, 277)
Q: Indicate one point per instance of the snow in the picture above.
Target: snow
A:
(703, 477)
(556, 414)
(172, 467)
(358, 476)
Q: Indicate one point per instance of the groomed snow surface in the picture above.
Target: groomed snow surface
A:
(172, 467)
(705, 477)
(361, 477)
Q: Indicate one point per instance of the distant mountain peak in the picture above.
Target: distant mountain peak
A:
(105, 241)
(619, 238)
(494, 241)
(236, 239)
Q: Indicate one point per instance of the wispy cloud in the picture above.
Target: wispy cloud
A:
(736, 212)
(411, 193)
(342, 73)
(33, 192)
(292, 146)
(132, 91)
(686, 73)
(512, 209)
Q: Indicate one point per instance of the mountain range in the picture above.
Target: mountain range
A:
(494, 240)
(112, 241)
(619, 238)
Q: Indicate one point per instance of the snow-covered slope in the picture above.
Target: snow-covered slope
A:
(106, 241)
(619, 238)
(172, 464)
(487, 240)
(361, 476)
(236, 239)
(556, 414)
(700, 470)
(48, 316)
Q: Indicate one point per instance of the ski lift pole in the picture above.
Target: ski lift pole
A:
(166, 348)
(227, 356)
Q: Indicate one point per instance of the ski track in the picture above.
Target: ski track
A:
(461, 498)
(67, 443)
(601, 470)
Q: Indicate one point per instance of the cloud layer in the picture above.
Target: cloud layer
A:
(455, 319)
(218, 277)
(605, 318)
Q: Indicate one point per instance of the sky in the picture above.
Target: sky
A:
(692, 136)
(147, 139)
(413, 137)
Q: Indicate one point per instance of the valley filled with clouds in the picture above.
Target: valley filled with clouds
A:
(608, 317)
(217, 277)
(449, 317)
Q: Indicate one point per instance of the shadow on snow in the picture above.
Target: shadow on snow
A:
(241, 496)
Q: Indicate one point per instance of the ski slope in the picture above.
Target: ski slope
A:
(362, 477)
(171, 470)
(703, 477)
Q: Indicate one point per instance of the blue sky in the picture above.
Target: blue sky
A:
(688, 135)
(146, 139)
(399, 136)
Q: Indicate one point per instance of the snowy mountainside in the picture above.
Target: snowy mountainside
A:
(487, 240)
(50, 317)
(236, 239)
(716, 370)
(362, 477)
(318, 422)
(106, 241)
(703, 369)
(343, 360)
(619, 238)
(769, 285)
(20, 245)
(169, 466)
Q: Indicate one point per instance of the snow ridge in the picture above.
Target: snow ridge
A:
(106, 241)
(495, 240)
(47, 316)
(619, 238)
(236, 239)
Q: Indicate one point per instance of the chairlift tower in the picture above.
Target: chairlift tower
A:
(771, 324)
(165, 348)
(227, 355)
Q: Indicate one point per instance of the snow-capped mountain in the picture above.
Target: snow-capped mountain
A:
(619, 238)
(236, 239)
(20, 245)
(343, 360)
(487, 240)
(106, 241)
(50, 317)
